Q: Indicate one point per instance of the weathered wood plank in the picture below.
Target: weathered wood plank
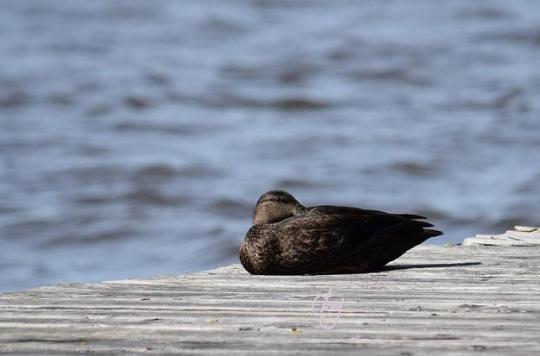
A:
(434, 300)
(521, 236)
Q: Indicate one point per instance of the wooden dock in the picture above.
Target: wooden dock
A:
(434, 300)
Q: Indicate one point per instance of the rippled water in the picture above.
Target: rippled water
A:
(135, 136)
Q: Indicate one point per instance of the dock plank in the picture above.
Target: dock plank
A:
(521, 236)
(451, 300)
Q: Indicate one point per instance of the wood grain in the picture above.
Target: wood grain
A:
(521, 236)
(452, 300)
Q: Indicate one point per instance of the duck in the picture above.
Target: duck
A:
(287, 238)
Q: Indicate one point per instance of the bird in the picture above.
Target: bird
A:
(287, 238)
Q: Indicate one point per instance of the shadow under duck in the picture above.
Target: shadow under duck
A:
(289, 239)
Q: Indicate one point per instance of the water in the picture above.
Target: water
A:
(136, 136)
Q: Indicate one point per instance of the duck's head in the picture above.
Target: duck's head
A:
(274, 206)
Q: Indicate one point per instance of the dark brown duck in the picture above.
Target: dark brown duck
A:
(288, 238)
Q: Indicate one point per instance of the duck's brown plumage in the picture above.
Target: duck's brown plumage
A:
(287, 238)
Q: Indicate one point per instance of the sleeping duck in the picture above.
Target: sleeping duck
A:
(288, 238)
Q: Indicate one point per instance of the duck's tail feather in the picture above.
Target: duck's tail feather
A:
(415, 219)
(429, 233)
(412, 216)
(423, 223)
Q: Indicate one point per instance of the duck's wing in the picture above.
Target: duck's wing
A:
(391, 235)
(328, 234)
(310, 243)
(364, 223)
